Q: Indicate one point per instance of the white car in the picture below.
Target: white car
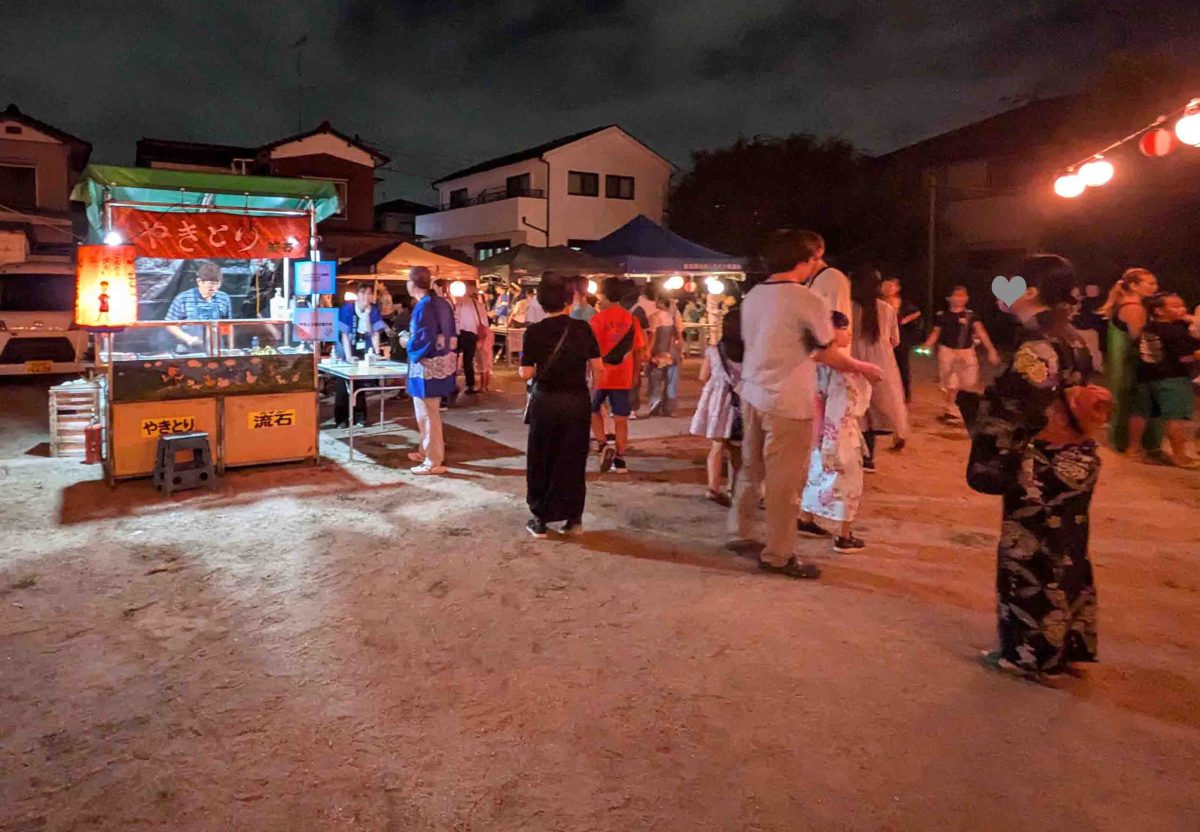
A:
(37, 319)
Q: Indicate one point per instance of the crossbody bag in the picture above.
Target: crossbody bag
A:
(541, 370)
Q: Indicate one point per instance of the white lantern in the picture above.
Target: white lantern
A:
(1188, 127)
(1069, 186)
(349, 296)
(113, 238)
(593, 287)
(673, 283)
(458, 289)
(715, 286)
(1099, 171)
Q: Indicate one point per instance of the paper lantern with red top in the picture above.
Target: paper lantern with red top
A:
(105, 287)
(1157, 142)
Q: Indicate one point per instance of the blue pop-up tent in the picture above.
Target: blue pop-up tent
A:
(643, 247)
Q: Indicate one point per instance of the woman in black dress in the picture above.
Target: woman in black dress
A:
(555, 359)
(1033, 441)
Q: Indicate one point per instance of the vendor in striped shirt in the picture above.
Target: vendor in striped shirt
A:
(204, 302)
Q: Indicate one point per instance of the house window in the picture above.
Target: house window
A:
(18, 186)
(343, 194)
(458, 198)
(578, 244)
(517, 185)
(618, 187)
(583, 184)
(485, 250)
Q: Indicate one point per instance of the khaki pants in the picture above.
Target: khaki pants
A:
(774, 453)
(429, 422)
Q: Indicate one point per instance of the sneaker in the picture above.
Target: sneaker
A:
(573, 527)
(848, 544)
(537, 528)
(425, 469)
(342, 425)
(811, 529)
(793, 569)
(619, 465)
(360, 423)
(869, 466)
(608, 456)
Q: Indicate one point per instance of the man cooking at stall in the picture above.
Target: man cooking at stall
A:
(359, 325)
(204, 302)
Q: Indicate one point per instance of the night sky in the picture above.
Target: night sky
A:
(439, 84)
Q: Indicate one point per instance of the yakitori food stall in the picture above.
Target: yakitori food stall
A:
(187, 285)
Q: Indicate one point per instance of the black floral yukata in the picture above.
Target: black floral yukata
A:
(1046, 595)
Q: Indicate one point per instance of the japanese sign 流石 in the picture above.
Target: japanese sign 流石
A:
(260, 419)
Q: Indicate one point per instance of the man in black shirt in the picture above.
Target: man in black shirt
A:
(1166, 358)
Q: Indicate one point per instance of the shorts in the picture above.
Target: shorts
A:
(618, 401)
(957, 369)
(1170, 398)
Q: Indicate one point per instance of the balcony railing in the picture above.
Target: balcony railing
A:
(492, 195)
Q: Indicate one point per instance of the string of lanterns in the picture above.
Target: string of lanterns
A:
(1153, 140)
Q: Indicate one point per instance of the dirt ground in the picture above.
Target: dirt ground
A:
(347, 647)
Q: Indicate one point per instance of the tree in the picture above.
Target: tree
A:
(733, 196)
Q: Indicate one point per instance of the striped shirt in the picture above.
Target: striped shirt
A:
(191, 306)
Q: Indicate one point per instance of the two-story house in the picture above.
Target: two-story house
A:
(39, 164)
(570, 191)
(321, 153)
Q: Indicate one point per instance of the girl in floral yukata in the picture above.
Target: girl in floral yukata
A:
(835, 471)
(1036, 422)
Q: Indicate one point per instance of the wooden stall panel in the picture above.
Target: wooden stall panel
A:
(137, 425)
(273, 428)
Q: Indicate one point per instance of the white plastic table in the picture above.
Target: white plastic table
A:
(356, 373)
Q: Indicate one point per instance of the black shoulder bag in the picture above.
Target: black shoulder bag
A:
(542, 369)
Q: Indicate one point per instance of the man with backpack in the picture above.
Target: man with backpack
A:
(620, 339)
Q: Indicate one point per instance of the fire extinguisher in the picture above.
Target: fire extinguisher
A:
(92, 443)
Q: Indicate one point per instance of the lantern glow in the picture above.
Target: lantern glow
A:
(458, 289)
(1099, 171)
(349, 296)
(593, 287)
(113, 238)
(1188, 127)
(1069, 186)
(715, 286)
(105, 287)
(673, 283)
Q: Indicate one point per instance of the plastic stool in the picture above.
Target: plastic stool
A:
(172, 475)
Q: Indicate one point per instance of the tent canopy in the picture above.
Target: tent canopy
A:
(642, 246)
(218, 191)
(393, 262)
(533, 261)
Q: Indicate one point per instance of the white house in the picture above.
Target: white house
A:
(566, 192)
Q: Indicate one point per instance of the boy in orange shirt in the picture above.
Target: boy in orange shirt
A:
(620, 339)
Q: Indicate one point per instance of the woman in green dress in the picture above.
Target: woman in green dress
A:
(1126, 315)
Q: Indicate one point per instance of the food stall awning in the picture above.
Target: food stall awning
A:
(642, 246)
(394, 263)
(214, 191)
(533, 261)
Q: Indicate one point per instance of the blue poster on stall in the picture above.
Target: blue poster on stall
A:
(314, 324)
(314, 277)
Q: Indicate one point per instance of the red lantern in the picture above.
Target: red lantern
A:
(1158, 142)
(105, 287)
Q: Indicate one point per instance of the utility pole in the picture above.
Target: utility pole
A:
(932, 252)
(299, 47)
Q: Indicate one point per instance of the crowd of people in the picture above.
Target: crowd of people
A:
(808, 371)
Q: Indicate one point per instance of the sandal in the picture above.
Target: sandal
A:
(994, 660)
(718, 497)
(793, 569)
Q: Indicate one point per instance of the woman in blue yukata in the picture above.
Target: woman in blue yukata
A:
(432, 363)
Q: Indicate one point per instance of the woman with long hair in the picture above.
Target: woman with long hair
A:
(1032, 443)
(1126, 314)
(876, 336)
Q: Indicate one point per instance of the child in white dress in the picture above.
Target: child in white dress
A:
(718, 413)
(835, 472)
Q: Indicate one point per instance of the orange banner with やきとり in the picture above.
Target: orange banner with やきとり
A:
(184, 235)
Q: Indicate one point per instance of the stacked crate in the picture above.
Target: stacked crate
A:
(73, 406)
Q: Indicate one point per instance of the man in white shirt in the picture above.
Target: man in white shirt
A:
(832, 285)
(470, 317)
(534, 311)
(786, 328)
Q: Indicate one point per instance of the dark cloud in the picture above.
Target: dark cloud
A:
(438, 84)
